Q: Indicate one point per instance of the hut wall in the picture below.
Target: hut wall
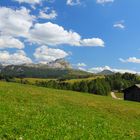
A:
(132, 94)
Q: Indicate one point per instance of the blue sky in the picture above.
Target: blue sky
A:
(92, 35)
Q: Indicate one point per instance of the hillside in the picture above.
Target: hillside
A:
(42, 71)
(29, 112)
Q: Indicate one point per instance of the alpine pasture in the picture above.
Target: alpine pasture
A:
(37, 113)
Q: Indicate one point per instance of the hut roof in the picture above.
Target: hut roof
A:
(136, 85)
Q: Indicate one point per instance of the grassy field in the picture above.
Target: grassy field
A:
(84, 79)
(35, 113)
(119, 95)
(33, 80)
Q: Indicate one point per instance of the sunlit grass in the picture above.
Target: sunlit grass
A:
(83, 79)
(119, 95)
(33, 80)
(30, 112)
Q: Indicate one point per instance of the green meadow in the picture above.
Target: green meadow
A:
(34, 113)
(84, 79)
(32, 80)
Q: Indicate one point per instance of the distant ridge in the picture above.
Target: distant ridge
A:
(57, 69)
(106, 72)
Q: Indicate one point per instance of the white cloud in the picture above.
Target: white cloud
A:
(92, 42)
(16, 58)
(99, 69)
(104, 1)
(10, 42)
(73, 2)
(15, 22)
(19, 23)
(81, 68)
(130, 60)
(29, 1)
(33, 1)
(119, 25)
(45, 15)
(81, 65)
(53, 34)
(44, 54)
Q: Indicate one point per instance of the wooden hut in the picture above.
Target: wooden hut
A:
(132, 93)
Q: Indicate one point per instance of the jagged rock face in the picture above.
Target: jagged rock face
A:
(59, 63)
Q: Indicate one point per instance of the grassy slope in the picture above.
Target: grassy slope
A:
(119, 95)
(33, 80)
(84, 79)
(29, 112)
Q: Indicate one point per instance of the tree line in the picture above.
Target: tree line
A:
(99, 86)
(121, 81)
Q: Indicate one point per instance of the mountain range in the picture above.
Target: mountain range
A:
(57, 69)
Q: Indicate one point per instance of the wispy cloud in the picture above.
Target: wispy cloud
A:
(47, 13)
(99, 69)
(130, 60)
(81, 64)
(73, 2)
(119, 25)
(104, 1)
(29, 1)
